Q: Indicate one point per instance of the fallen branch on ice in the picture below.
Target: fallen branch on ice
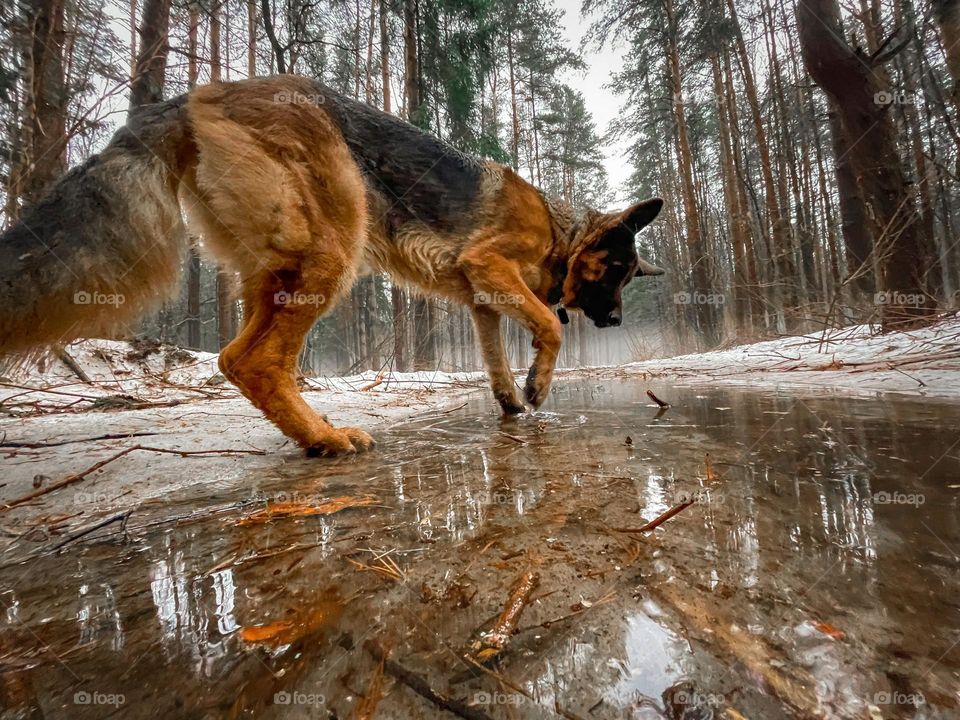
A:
(77, 477)
(420, 685)
(660, 519)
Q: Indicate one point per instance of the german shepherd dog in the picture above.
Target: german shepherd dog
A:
(296, 188)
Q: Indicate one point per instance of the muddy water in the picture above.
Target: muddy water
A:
(815, 575)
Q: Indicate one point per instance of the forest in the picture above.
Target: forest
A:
(807, 151)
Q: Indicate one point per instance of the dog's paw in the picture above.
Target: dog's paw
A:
(512, 408)
(537, 387)
(332, 444)
(509, 403)
(535, 396)
(536, 392)
(361, 440)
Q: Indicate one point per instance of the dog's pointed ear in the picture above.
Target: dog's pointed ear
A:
(636, 217)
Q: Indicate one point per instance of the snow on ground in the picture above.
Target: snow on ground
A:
(856, 360)
(53, 423)
(137, 375)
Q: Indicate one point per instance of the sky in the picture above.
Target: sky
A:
(602, 102)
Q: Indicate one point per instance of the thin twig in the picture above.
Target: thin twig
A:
(377, 382)
(516, 439)
(77, 477)
(69, 480)
(657, 400)
(660, 519)
(113, 436)
(420, 685)
(123, 517)
(67, 359)
(491, 644)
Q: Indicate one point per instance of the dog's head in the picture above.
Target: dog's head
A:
(604, 260)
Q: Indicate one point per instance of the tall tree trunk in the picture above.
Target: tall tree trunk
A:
(826, 211)
(397, 300)
(279, 51)
(133, 38)
(384, 56)
(948, 18)
(227, 313)
(423, 357)
(533, 129)
(756, 294)
(194, 326)
(856, 231)
(357, 43)
(368, 67)
(147, 84)
(741, 297)
(515, 121)
(399, 305)
(910, 68)
(902, 253)
(251, 38)
(42, 137)
(700, 263)
(780, 245)
(411, 82)
(216, 65)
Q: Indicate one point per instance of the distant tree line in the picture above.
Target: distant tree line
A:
(809, 154)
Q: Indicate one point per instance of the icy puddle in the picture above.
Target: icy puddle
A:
(498, 569)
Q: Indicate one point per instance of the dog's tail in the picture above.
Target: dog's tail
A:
(104, 244)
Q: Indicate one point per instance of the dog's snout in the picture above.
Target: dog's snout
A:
(614, 319)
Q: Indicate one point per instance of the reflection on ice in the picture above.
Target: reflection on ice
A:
(794, 581)
(650, 663)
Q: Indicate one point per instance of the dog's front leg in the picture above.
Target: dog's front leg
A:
(499, 287)
(487, 322)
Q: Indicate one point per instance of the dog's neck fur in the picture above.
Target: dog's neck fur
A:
(567, 225)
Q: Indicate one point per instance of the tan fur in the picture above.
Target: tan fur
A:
(276, 196)
(278, 199)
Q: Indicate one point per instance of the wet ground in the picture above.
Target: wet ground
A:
(814, 575)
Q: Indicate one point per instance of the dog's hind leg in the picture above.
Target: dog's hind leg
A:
(262, 360)
(278, 199)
